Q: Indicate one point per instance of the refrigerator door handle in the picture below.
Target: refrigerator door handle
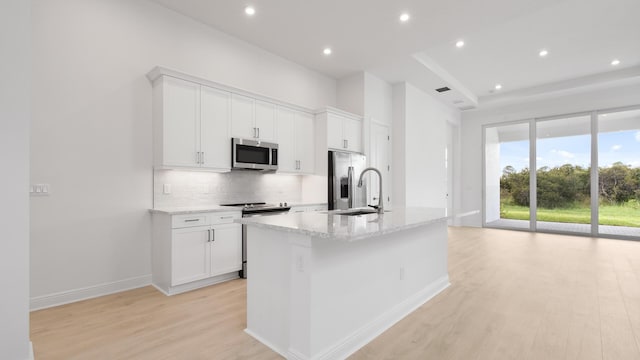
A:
(350, 188)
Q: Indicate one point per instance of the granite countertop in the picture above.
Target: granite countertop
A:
(194, 209)
(334, 225)
(177, 210)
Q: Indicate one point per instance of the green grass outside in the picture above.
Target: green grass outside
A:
(621, 215)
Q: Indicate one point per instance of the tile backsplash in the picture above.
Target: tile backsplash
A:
(195, 188)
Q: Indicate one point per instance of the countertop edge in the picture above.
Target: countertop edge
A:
(342, 237)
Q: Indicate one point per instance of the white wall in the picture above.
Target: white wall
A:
(378, 98)
(91, 133)
(351, 93)
(419, 129)
(472, 121)
(14, 194)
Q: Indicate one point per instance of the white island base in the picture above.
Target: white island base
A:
(311, 295)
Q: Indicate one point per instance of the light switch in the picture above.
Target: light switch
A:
(205, 188)
(166, 189)
(39, 189)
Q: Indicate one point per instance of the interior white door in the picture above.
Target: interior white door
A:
(265, 120)
(189, 255)
(380, 157)
(305, 142)
(226, 249)
(449, 157)
(181, 122)
(242, 115)
(352, 132)
(286, 140)
(215, 117)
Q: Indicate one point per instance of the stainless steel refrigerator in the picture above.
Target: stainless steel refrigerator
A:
(344, 171)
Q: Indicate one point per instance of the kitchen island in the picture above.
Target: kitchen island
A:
(321, 285)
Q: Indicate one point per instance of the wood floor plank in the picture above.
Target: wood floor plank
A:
(514, 295)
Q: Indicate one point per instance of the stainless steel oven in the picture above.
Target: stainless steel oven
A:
(254, 155)
(251, 210)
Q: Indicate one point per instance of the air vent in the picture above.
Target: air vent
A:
(443, 89)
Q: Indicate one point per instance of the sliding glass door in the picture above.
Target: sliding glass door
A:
(586, 178)
(563, 174)
(507, 176)
(619, 173)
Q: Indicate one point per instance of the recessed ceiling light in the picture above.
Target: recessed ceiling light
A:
(543, 53)
(404, 17)
(498, 86)
(615, 62)
(249, 10)
(459, 43)
(327, 51)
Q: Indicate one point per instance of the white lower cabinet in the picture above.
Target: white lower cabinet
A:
(190, 255)
(225, 249)
(195, 250)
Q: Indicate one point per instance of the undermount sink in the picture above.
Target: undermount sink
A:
(356, 212)
(361, 212)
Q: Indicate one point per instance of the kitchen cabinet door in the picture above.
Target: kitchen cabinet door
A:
(242, 117)
(305, 142)
(226, 249)
(286, 140)
(265, 121)
(215, 115)
(180, 122)
(190, 258)
(352, 132)
(335, 139)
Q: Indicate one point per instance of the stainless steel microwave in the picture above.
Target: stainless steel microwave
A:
(254, 155)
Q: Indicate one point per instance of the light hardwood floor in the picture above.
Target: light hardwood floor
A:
(514, 295)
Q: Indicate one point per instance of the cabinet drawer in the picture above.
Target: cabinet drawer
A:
(224, 218)
(190, 220)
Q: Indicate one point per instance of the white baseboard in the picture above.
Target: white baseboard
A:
(377, 326)
(89, 292)
(269, 344)
(179, 289)
(31, 356)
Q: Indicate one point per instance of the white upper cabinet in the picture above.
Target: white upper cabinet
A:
(265, 115)
(295, 141)
(177, 122)
(286, 140)
(344, 133)
(215, 115)
(305, 143)
(195, 119)
(352, 133)
(334, 132)
(191, 125)
(242, 124)
(253, 119)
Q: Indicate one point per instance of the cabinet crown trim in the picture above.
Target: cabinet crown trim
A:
(160, 71)
(336, 111)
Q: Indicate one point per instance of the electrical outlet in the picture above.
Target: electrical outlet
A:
(205, 188)
(402, 272)
(166, 189)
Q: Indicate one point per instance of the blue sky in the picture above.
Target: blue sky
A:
(621, 146)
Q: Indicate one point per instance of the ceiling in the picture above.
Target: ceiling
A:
(502, 41)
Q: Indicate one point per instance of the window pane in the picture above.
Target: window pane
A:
(619, 173)
(563, 180)
(507, 176)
